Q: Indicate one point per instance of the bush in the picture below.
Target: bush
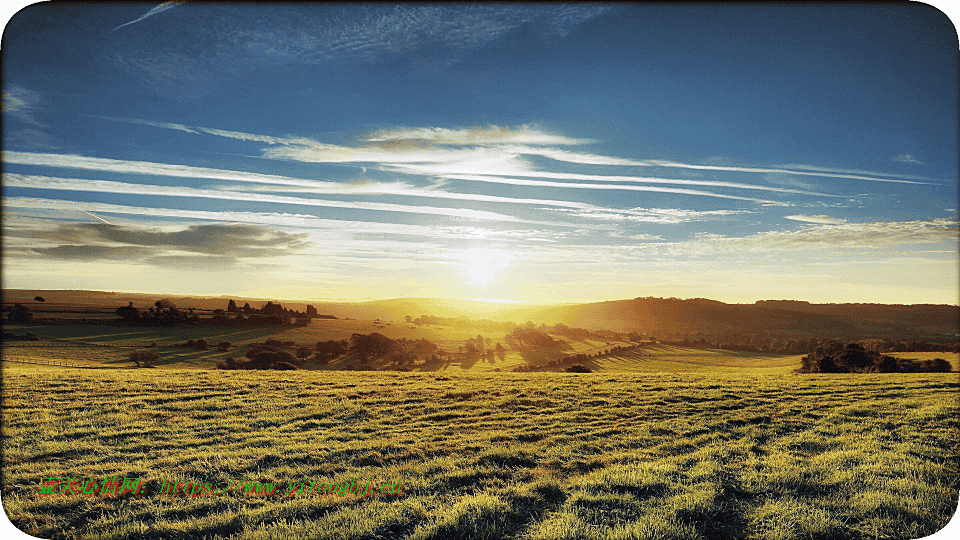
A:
(223, 346)
(201, 344)
(578, 368)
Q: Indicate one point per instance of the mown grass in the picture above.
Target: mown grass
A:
(505, 455)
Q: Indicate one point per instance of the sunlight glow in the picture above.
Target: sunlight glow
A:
(483, 264)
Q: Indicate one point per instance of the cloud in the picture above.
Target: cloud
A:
(19, 103)
(91, 252)
(814, 171)
(525, 134)
(655, 215)
(239, 40)
(574, 157)
(404, 189)
(191, 262)
(300, 221)
(823, 220)
(632, 179)
(882, 235)
(158, 9)
(29, 138)
(906, 158)
(106, 186)
(214, 242)
(431, 35)
(71, 161)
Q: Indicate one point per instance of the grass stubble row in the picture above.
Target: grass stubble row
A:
(505, 455)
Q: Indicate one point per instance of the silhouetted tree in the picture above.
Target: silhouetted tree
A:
(144, 358)
(129, 313)
(311, 312)
(232, 307)
(20, 314)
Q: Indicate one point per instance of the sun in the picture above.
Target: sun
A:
(482, 264)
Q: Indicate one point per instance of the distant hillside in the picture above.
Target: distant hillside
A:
(708, 317)
(664, 317)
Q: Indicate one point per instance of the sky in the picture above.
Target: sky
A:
(541, 153)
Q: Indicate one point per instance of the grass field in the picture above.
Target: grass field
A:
(734, 454)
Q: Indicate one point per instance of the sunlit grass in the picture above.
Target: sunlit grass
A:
(538, 455)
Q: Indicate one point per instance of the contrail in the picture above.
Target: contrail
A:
(94, 215)
(159, 9)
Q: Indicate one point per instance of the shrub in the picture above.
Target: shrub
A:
(201, 344)
(578, 368)
(223, 346)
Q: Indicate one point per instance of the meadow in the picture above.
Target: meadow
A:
(661, 442)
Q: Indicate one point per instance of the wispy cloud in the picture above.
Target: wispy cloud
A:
(20, 103)
(656, 215)
(907, 158)
(158, 9)
(305, 221)
(879, 235)
(821, 219)
(404, 189)
(149, 168)
(824, 173)
(497, 150)
(106, 186)
(525, 134)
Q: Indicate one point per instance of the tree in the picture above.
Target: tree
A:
(20, 314)
(128, 313)
(232, 307)
(39, 299)
(408, 318)
(311, 312)
(144, 359)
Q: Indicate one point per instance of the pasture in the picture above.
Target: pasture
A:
(486, 455)
(661, 441)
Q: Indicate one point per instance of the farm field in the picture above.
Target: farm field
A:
(485, 455)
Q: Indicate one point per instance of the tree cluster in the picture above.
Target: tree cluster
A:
(526, 338)
(853, 358)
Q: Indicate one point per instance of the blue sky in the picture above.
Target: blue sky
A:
(524, 152)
